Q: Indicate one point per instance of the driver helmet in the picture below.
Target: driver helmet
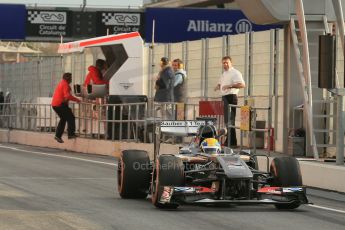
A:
(210, 146)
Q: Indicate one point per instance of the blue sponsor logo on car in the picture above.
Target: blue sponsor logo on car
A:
(292, 189)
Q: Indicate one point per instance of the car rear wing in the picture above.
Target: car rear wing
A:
(177, 128)
(182, 128)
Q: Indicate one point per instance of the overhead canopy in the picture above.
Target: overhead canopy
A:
(4, 49)
(24, 49)
(21, 49)
(11, 48)
(273, 11)
(79, 46)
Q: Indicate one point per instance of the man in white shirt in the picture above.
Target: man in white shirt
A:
(229, 84)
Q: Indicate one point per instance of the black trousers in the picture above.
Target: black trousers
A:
(230, 99)
(66, 115)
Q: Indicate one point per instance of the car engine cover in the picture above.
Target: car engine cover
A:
(234, 167)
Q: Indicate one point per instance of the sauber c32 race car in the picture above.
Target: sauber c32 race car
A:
(203, 173)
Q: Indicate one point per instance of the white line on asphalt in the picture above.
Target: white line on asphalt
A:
(325, 208)
(58, 178)
(61, 156)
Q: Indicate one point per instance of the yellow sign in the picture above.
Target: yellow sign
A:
(250, 101)
(245, 118)
(180, 111)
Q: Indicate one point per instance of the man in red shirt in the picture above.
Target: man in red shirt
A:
(95, 73)
(62, 95)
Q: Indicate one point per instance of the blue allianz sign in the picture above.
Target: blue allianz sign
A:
(12, 22)
(178, 24)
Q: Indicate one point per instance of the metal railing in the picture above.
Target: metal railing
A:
(37, 117)
(8, 115)
(132, 122)
(124, 121)
(174, 111)
(102, 121)
(253, 128)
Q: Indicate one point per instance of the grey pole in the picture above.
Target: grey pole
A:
(186, 64)
(150, 70)
(337, 6)
(168, 51)
(271, 76)
(251, 64)
(207, 45)
(340, 131)
(224, 46)
(275, 87)
(202, 65)
(246, 64)
(228, 48)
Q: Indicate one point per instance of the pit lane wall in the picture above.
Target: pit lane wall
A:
(82, 145)
(315, 174)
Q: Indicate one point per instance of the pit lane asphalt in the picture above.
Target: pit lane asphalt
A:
(51, 189)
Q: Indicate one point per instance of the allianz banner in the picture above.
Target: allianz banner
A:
(176, 24)
(12, 22)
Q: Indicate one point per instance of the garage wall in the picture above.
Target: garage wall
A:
(251, 54)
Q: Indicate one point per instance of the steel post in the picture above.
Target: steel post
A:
(340, 131)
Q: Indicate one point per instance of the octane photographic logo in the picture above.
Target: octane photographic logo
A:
(47, 17)
(121, 19)
(169, 166)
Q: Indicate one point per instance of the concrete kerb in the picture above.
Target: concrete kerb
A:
(315, 174)
(4, 135)
(322, 175)
(82, 145)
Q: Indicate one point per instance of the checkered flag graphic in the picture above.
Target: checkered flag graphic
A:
(106, 17)
(32, 15)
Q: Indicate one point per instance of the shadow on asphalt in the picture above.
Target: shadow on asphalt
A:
(325, 216)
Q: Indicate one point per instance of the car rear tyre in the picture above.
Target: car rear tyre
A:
(169, 171)
(286, 172)
(133, 174)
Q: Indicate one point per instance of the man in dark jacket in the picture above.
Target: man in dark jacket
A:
(165, 82)
(62, 95)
